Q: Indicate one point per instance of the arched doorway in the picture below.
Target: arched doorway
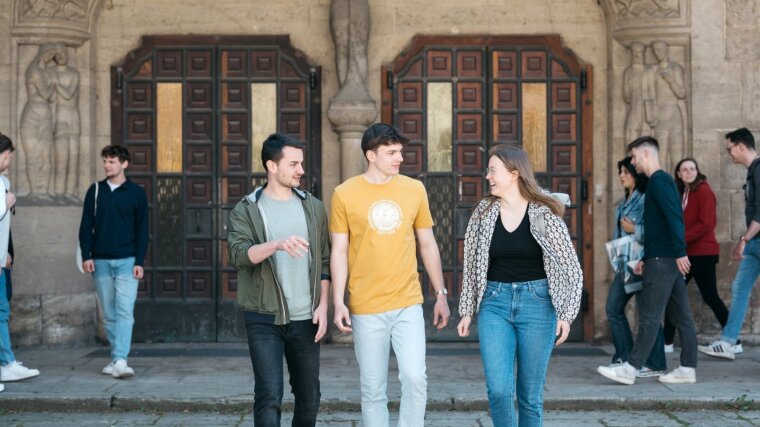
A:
(455, 97)
(193, 111)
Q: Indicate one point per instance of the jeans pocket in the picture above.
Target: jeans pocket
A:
(541, 292)
(490, 293)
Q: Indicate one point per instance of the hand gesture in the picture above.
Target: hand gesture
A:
(320, 319)
(464, 326)
(441, 313)
(295, 246)
(342, 319)
(627, 225)
(563, 330)
(738, 253)
(10, 200)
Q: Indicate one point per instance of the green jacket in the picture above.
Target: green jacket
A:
(257, 286)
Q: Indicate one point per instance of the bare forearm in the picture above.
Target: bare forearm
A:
(324, 294)
(752, 230)
(258, 253)
(431, 259)
(339, 276)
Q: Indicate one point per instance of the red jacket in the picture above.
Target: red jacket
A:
(699, 217)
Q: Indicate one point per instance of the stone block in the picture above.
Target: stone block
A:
(742, 43)
(750, 105)
(68, 319)
(738, 222)
(707, 152)
(741, 13)
(26, 320)
(724, 215)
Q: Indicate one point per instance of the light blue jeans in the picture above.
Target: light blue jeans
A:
(516, 323)
(373, 336)
(741, 290)
(6, 354)
(117, 291)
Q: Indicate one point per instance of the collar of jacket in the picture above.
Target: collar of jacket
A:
(256, 194)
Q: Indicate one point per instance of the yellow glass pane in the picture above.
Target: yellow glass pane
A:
(169, 127)
(439, 124)
(534, 119)
(263, 119)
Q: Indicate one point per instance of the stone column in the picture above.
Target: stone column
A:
(352, 109)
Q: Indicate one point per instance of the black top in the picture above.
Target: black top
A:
(663, 219)
(515, 256)
(752, 201)
(120, 224)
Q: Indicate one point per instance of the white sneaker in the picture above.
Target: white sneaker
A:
(738, 348)
(108, 370)
(680, 375)
(648, 373)
(15, 371)
(669, 348)
(624, 373)
(121, 370)
(718, 348)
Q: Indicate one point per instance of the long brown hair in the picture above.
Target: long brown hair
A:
(698, 180)
(516, 159)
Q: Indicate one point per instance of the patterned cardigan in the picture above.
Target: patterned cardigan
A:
(563, 271)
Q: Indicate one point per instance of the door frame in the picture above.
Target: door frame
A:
(554, 44)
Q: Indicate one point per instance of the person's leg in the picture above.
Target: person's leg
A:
(620, 330)
(372, 345)
(536, 325)
(656, 360)
(659, 277)
(125, 294)
(104, 288)
(266, 345)
(408, 341)
(302, 355)
(497, 350)
(705, 275)
(741, 289)
(6, 352)
(679, 310)
(670, 329)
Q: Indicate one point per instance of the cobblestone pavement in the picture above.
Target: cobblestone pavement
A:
(352, 419)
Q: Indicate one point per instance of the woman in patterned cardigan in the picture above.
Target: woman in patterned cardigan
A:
(523, 280)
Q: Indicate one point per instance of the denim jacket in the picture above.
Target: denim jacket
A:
(633, 208)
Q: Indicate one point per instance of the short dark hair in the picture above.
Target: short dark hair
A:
(273, 146)
(5, 143)
(119, 151)
(640, 180)
(381, 134)
(742, 136)
(643, 141)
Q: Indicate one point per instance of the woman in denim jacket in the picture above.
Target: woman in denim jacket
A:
(523, 280)
(629, 220)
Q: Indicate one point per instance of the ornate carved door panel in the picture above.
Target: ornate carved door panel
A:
(455, 97)
(194, 111)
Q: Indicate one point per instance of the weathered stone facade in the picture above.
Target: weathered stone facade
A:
(713, 41)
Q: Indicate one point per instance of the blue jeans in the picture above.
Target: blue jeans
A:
(620, 330)
(268, 343)
(517, 323)
(117, 291)
(741, 290)
(6, 354)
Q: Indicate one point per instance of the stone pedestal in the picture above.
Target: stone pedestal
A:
(350, 119)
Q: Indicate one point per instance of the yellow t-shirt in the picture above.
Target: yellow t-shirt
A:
(380, 220)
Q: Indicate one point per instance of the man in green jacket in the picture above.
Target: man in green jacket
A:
(279, 243)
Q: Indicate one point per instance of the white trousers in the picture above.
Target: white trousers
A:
(374, 334)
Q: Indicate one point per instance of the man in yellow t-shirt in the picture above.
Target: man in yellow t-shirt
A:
(375, 220)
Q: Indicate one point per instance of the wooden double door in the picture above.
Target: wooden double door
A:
(455, 97)
(194, 111)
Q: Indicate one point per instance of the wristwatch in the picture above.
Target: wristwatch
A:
(441, 291)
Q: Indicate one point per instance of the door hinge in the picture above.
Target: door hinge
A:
(389, 79)
(584, 77)
(584, 189)
(119, 79)
(313, 78)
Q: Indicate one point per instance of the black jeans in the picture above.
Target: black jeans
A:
(664, 289)
(268, 343)
(703, 272)
(620, 330)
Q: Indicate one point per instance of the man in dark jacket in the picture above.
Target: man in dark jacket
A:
(279, 243)
(113, 237)
(664, 265)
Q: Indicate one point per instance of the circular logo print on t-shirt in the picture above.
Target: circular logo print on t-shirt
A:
(385, 216)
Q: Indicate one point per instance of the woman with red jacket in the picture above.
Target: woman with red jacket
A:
(699, 216)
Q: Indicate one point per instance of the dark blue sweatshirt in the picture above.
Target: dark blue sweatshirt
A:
(120, 224)
(663, 219)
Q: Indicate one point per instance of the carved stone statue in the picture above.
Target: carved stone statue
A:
(667, 112)
(352, 109)
(66, 125)
(36, 128)
(637, 87)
